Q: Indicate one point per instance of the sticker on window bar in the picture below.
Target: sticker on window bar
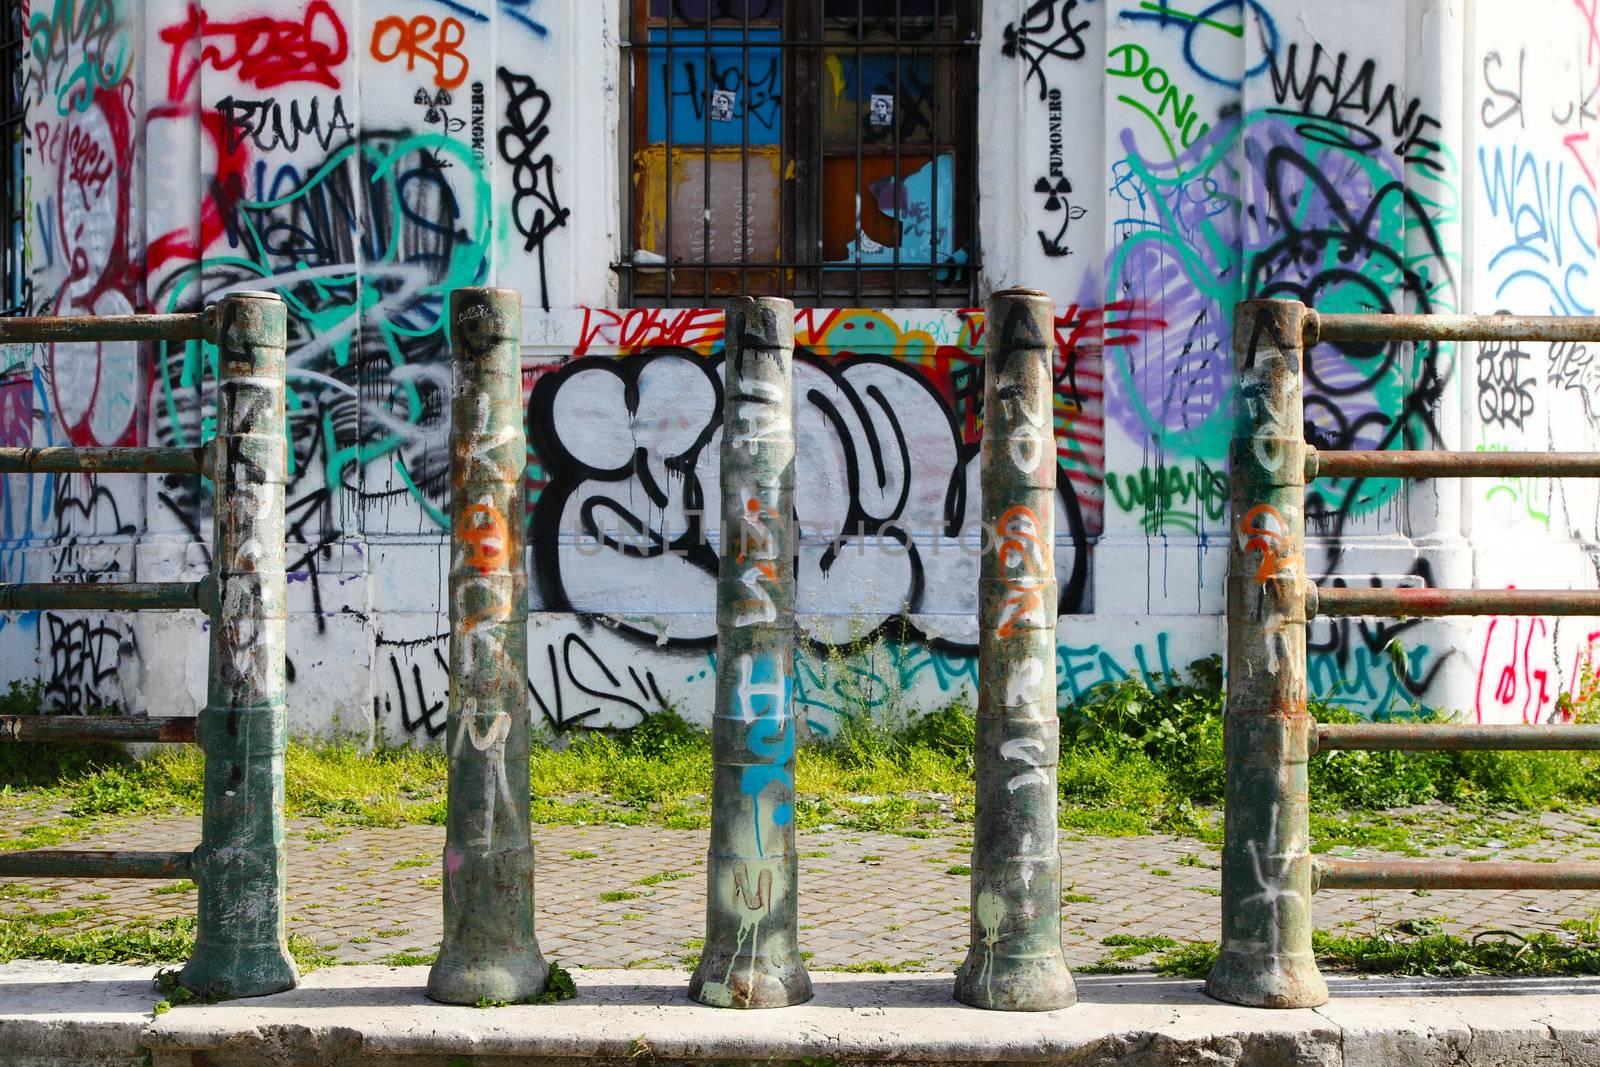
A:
(880, 112)
(723, 101)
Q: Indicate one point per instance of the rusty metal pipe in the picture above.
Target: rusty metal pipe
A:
(1373, 463)
(489, 950)
(1380, 329)
(1452, 874)
(52, 329)
(241, 949)
(102, 596)
(1014, 959)
(87, 863)
(751, 957)
(1265, 959)
(1454, 737)
(1424, 602)
(76, 729)
(101, 460)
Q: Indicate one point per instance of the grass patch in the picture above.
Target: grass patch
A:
(1418, 947)
(1138, 757)
(662, 876)
(614, 895)
(878, 967)
(81, 935)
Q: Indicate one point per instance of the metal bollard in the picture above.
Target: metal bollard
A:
(1266, 958)
(489, 949)
(240, 947)
(1015, 962)
(751, 957)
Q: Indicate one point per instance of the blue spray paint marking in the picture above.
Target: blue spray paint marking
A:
(763, 698)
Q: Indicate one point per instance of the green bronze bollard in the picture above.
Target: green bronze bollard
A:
(240, 949)
(1015, 961)
(751, 957)
(1266, 958)
(489, 949)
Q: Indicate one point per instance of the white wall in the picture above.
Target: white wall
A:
(1148, 165)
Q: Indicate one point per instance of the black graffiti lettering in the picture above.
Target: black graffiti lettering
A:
(1505, 396)
(1031, 38)
(588, 676)
(85, 661)
(270, 125)
(1347, 112)
(1502, 104)
(536, 210)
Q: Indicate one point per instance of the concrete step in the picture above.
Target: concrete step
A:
(63, 1015)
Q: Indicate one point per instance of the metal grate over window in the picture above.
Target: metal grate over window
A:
(13, 207)
(821, 150)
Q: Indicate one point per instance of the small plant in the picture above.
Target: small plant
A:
(486, 1001)
(557, 987)
(958, 868)
(614, 895)
(583, 854)
(176, 887)
(662, 876)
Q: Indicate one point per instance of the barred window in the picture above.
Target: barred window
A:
(821, 150)
(13, 207)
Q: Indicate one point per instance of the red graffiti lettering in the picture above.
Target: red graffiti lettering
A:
(393, 37)
(262, 51)
(638, 329)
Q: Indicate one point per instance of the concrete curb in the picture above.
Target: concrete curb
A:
(62, 1015)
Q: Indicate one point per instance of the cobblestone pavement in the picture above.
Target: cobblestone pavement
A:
(631, 896)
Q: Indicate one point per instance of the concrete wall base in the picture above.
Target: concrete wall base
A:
(60, 1015)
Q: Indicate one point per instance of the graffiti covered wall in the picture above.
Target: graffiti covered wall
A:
(362, 160)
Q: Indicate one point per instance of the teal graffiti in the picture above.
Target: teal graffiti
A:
(77, 49)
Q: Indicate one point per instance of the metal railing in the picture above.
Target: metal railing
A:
(1268, 871)
(751, 957)
(240, 944)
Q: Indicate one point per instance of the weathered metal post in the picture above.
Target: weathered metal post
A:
(1015, 962)
(1266, 958)
(240, 947)
(489, 949)
(751, 957)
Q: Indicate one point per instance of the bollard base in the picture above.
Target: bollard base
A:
(1039, 983)
(460, 978)
(232, 971)
(1263, 980)
(725, 981)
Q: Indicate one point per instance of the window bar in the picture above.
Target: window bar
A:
(743, 234)
(705, 165)
(933, 138)
(785, 112)
(666, 173)
(861, 208)
(630, 220)
(899, 178)
(785, 231)
(818, 185)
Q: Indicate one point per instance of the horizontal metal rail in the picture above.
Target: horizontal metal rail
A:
(1374, 463)
(1451, 874)
(67, 729)
(1452, 737)
(101, 460)
(1381, 329)
(52, 329)
(109, 596)
(1334, 601)
(86, 863)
